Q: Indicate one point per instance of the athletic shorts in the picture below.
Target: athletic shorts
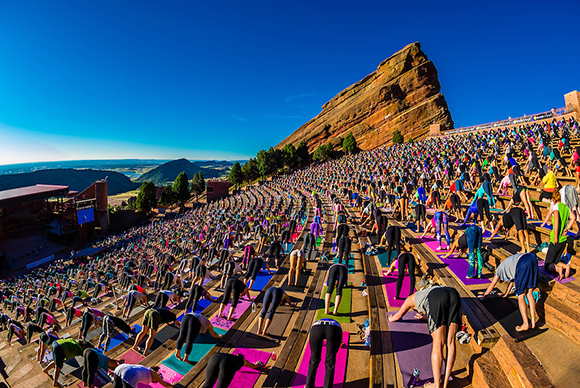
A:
(152, 319)
(444, 308)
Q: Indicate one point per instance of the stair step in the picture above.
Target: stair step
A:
(519, 364)
(563, 318)
(487, 373)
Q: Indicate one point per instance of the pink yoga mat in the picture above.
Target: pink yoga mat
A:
(132, 357)
(169, 375)
(390, 283)
(339, 371)
(553, 276)
(433, 244)
(223, 323)
(247, 377)
(459, 267)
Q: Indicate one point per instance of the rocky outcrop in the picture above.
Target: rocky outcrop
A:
(403, 93)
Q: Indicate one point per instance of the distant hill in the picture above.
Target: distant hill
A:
(169, 171)
(75, 179)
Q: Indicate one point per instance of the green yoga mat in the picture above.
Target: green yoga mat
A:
(349, 265)
(343, 310)
(201, 346)
(319, 241)
(383, 257)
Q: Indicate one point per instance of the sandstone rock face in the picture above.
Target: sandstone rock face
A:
(403, 93)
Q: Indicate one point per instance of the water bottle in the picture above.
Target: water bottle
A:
(253, 307)
(414, 380)
(274, 356)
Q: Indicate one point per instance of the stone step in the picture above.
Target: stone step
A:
(563, 318)
(522, 368)
(487, 373)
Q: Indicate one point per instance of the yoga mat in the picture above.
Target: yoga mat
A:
(556, 277)
(201, 305)
(319, 241)
(339, 370)
(348, 265)
(383, 257)
(202, 345)
(412, 345)
(433, 244)
(169, 375)
(390, 282)
(459, 267)
(507, 313)
(223, 323)
(261, 280)
(132, 357)
(279, 322)
(344, 309)
(549, 226)
(247, 377)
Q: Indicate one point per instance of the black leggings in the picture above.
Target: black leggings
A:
(393, 237)
(87, 322)
(337, 271)
(272, 299)
(483, 209)
(224, 255)
(230, 292)
(221, 368)
(169, 277)
(161, 300)
(195, 295)
(420, 212)
(333, 336)
(344, 246)
(254, 268)
(188, 332)
(406, 260)
(455, 202)
(31, 328)
(436, 198)
(90, 366)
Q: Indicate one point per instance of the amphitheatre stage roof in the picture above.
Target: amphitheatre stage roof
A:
(30, 193)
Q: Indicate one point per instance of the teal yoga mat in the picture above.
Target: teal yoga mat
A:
(201, 346)
(350, 264)
(383, 257)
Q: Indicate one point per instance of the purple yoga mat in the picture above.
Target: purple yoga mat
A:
(339, 371)
(459, 267)
(247, 377)
(169, 375)
(390, 283)
(223, 323)
(412, 345)
(553, 276)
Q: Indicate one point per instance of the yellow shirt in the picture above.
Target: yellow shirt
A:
(549, 180)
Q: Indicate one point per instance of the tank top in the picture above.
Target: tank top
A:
(564, 214)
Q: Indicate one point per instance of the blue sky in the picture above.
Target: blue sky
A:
(224, 79)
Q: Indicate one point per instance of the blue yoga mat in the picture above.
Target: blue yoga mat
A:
(122, 337)
(348, 264)
(201, 305)
(261, 280)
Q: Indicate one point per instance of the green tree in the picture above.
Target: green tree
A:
(181, 187)
(289, 155)
(198, 184)
(250, 170)
(322, 153)
(302, 153)
(349, 144)
(168, 197)
(411, 140)
(265, 164)
(236, 176)
(397, 137)
(147, 197)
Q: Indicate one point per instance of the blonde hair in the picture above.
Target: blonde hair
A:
(556, 196)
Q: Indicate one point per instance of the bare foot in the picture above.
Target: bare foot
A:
(559, 270)
(429, 385)
(523, 327)
(136, 348)
(392, 318)
(178, 356)
(567, 272)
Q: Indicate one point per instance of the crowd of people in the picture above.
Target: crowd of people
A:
(448, 187)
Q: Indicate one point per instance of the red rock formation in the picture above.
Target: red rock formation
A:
(403, 93)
